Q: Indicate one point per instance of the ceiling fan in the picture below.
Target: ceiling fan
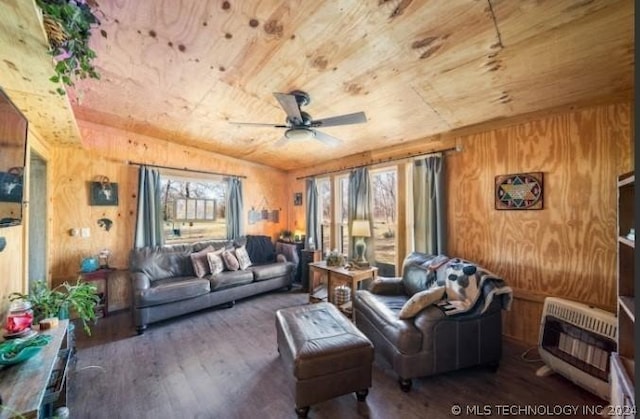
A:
(300, 126)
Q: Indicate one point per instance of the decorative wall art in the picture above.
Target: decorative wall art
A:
(105, 223)
(297, 198)
(264, 214)
(272, 216)
(103, 192)
(519, 191)
(11, 185)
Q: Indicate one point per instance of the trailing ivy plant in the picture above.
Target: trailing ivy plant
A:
(68, 24)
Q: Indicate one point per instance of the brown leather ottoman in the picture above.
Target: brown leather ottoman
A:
(327, 355)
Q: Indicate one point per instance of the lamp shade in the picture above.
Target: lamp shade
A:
(361, 228)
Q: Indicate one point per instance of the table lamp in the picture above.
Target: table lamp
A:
(361, 229)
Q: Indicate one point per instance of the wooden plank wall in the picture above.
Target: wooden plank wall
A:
(11, 265)
(105, 152)
(567, 249)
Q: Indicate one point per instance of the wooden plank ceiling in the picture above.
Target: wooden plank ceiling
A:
(182, 69)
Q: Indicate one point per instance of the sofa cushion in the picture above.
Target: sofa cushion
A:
(382, 311)
(416, 278)
(216, 264)
(161, 262)
(216, 244)
(271, 270)
(230, 260)
(243, 257)
(200, 262)
(169, 290)
(418, 272)
(228, 279)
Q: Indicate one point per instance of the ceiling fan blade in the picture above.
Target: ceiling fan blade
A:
(326, 138)
(290, 106)
(352, 118)
(257, 124)
(281, 142)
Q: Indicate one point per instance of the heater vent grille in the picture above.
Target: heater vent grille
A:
(588, 318)
(577, 341)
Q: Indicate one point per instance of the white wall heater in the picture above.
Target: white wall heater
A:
(577, 341)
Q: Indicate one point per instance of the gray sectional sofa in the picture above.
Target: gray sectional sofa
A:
(165, 284)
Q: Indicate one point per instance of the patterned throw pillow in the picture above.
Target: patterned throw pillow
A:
(419, 301)
(243, 257)
(200, 263)
(230, 260)
(216, 265)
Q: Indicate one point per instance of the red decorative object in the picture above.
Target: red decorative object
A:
(19, 318)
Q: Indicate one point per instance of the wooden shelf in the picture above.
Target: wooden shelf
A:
(628, 304)
(622, 362)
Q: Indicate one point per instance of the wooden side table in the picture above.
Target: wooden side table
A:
(34, 387)
(101, 274)
(335, 276)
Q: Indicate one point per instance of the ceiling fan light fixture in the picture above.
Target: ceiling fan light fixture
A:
(296, 134)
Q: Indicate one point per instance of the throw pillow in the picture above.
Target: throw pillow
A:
(243, 257)
(216, 265)
(419, 301)
(200, 262)
(230, 260)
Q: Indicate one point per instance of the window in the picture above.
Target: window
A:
(193, 208)
(384, 189)
(324, 198)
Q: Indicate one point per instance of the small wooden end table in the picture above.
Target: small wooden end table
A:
(101, 274)
(336, 275)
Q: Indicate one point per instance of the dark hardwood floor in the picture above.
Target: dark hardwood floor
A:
(223, 363)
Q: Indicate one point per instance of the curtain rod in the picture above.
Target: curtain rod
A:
(380, 161)
(184, 169)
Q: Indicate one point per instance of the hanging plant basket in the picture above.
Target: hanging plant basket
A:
(68, 25)
(55, 32)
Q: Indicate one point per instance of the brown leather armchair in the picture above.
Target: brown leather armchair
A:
(431, 342)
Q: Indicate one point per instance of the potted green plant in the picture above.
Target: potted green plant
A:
(81, 298)
(68, 25)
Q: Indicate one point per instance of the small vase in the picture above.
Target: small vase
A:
(63, 313)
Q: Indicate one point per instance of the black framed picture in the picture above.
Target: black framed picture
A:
(103, 193)
(297, 198)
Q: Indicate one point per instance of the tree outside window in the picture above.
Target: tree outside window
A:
(324, 196)
(384, 187)
(343, 217)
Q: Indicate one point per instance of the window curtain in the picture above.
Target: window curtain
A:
(149, 219)
(429, 234)
(234, 208)
(313, 214)
(359, 208)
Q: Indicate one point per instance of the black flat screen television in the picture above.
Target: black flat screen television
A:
(13, 153)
